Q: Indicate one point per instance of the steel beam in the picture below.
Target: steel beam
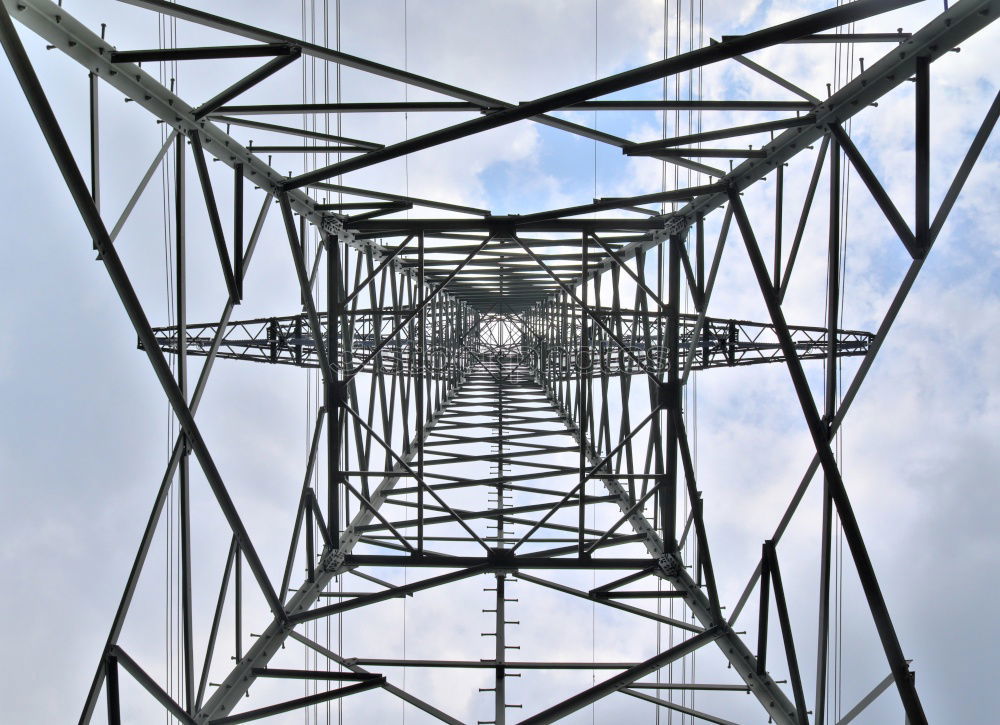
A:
(216, 52)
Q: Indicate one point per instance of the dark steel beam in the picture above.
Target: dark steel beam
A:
(922, 156)
(618, 203)
(359, 205)
(385, 523)
(484, 290)
(333, 389)
(419, 333)
(95, 140)
(621, 265)
(763, 611)
(587, 310)
(183, 492)
(213, 215)
(669, 153)
(307, 149)
(391, 209)
(238, 229)
(216, 52)
(894, 307)
(746, 130)
(486, 107)
(383, 264)
(392, 593)
(848, 398)
(490, 664)
(406, 466)
(284, 674)
(498, 560)
(785, 623)
(412, 226)
(829, 412)
(372, 194)
(697, 516)
(291, 131)
(844, 38)
(690, 105)
(867, 700)
(301, 703)
(779, 222)
(111, 690)
(317, 434)
(279, 109)
(687, 686)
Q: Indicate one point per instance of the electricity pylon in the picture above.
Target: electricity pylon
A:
(540, 359)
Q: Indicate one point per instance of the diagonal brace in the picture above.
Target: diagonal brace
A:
(624, 679)
(247, 82)
(878, 192)
(213, 215)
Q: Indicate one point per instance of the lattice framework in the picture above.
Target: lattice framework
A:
(435, 328)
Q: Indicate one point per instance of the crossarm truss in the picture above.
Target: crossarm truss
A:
(717, 342)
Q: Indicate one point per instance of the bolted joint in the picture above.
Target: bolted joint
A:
(667, 395)
(337, 393)
(677, 226)
(670, 566)
(502, 227)
(502, 560)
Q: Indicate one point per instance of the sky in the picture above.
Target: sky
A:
(85, 430)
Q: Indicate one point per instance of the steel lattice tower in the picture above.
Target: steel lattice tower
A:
(502, 396)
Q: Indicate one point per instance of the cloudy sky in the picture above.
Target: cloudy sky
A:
(85, 430)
